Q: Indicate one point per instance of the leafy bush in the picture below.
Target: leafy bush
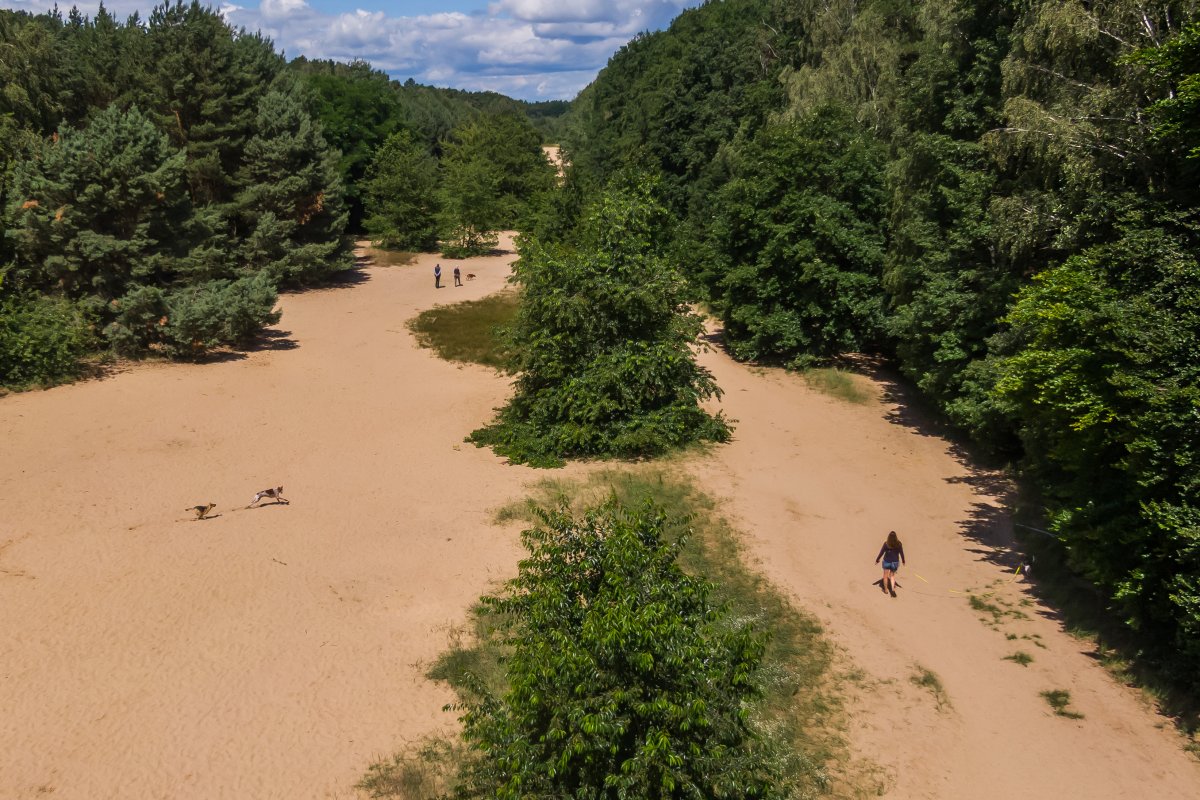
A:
(603, 341)
(41, 340)
(191, 321)
(624, 679)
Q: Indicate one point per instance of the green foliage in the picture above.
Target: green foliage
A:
(42, 340)
(401, 195)
(469, 331)
(293, 195)
(1106, 384)
(1001, 196)
(192, 320)
(1060, 701)
(100, 208)
(358, 111)
(603, 340)
(624, 680)
(799, 228)
(494, 172)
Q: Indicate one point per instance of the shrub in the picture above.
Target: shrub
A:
(624, 679)
(41, 340)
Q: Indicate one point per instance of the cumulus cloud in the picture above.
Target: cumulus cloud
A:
(532, 49)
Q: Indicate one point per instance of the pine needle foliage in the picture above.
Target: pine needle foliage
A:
(603, 340)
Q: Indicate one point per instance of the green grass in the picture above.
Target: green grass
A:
(837, 383)
(380, 257)
(1020, 657)
(1088, 615)
(800, 715)
(1060, 701)
(469, 331)
(928, 679)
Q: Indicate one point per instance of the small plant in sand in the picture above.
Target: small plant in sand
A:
(928, 679)
(1020, 657)
(1060, 701)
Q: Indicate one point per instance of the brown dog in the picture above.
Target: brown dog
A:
(470, 276)
(275, 494)
(202, 511)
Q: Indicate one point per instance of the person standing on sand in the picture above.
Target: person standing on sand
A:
(892, 554)
(437, 276)
(457, 277)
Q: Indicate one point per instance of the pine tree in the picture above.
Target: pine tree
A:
(292, 201)
(97, 209)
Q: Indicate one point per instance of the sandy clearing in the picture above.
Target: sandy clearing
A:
(263, 653)
(816, 483)
(275, 652)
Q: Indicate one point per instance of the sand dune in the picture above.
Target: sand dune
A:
(274, 652)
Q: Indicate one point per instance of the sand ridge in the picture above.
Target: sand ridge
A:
(275, 652)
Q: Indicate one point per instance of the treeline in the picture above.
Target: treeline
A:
(161, 179)
(999, 196)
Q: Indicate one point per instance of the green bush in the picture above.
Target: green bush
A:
(191, 321)
(41, 340)
(624, 679)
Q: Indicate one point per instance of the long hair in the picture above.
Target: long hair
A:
(893, 541)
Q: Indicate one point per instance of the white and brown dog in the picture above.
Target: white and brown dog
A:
(275, 494)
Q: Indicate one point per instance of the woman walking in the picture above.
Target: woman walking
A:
(892, 554)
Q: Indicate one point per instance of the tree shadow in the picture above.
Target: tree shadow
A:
(345, 279)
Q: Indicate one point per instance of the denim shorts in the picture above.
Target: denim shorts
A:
(892, 565)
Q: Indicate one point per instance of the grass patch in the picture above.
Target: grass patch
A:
(1060, 701)
(1020, 657)
(469, 331)
(799, 717)
(425, 770)
(928, 679)
(1088, 615)
(983, 605)
(837, 383)
(379, 257)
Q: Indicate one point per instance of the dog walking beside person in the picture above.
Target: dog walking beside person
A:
(892, 554)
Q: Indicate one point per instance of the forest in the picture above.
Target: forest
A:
(161, 179)
(998, 198)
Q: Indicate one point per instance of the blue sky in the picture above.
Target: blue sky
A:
(531, 49)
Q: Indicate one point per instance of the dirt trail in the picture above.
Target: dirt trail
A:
(275, 652)
(816, 483)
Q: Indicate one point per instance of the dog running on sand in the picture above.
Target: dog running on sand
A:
(275, 494)
(202, 511)
(470, 276)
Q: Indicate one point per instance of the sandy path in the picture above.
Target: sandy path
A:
(264, 653)
(276, 652)
(816, 483)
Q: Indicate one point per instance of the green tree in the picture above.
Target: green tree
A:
(401, 195)
(292, 201)
(603, 338)
(624, 679)
(472, 208)
(100, 208)
(800, 229)
(358, 110)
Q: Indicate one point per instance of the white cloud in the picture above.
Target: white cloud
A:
(533, 49)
